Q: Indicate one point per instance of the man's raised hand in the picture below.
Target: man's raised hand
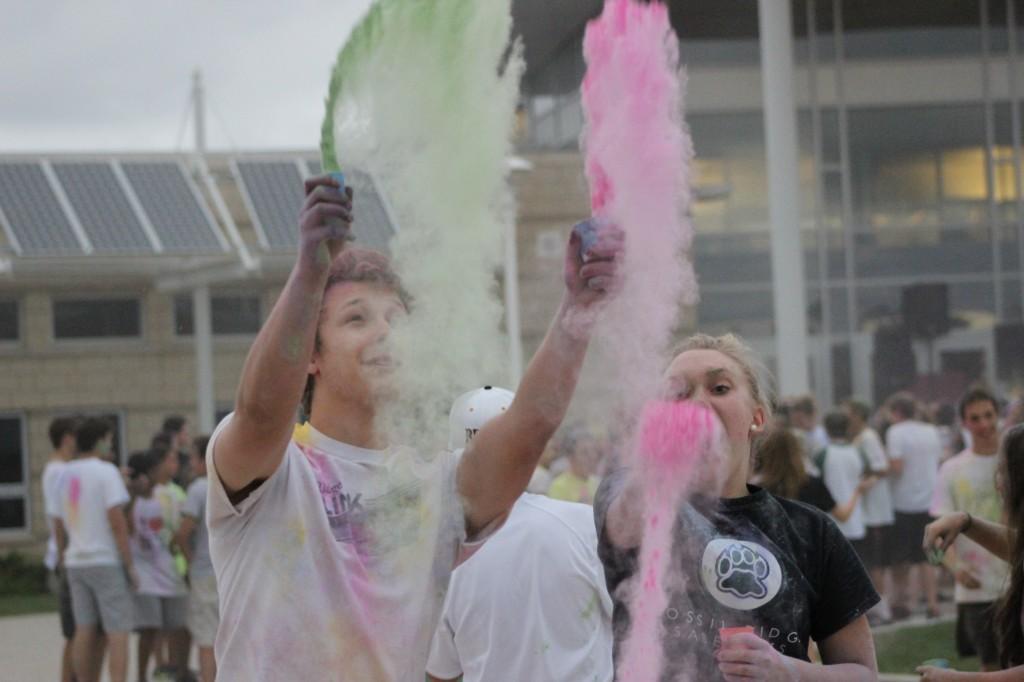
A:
(325, 222)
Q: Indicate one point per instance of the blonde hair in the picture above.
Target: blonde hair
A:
(733, 347)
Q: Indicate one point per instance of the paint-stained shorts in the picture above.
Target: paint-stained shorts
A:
(101, 595)
(203, 610)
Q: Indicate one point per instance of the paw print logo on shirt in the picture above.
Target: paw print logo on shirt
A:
(740, 574)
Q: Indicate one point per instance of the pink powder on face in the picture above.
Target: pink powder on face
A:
(675, 441)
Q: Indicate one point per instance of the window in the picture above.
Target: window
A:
(112, 318)
(9, 322)
(14, 512)
(232, 315)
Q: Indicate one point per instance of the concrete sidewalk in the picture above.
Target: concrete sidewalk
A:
(30, 649)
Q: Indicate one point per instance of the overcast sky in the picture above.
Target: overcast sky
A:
(83, 75)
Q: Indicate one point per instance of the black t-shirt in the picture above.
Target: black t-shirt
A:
(778, 565)
(814, 493)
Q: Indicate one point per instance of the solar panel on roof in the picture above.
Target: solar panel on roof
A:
(102, 208)
(275, 193)
(177, 217)
(33, 213)
(372, 225)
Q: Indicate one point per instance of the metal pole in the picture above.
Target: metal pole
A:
(202, 332)
(1011, 25)
(789, 297)
(990, 162)
(824, 388)
(845, 184)
(199, 108)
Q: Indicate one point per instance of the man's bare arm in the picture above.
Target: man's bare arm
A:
(501, 458)
(183, 538)
(119, 529)
(252, 445)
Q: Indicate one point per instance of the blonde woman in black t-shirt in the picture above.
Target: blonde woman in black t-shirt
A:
(745, 557)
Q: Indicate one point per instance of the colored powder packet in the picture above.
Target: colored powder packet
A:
(938, 663)
(935, 556)
(725, 633)
(589, 232)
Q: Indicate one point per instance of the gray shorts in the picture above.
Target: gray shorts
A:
(101, 595)
(203, 614)
(160, 613)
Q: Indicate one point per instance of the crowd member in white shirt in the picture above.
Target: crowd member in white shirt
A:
(842, 469)
(160, 602)
(62, 437)
(914, 451)
(542, 566)
(92, 542)
(879, 516)
(967, 483)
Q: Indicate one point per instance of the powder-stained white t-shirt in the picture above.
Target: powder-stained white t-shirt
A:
(967, 483)
(151, 551)
(531, 603)
(87, 489)
(878, 509)
(51, 480)
(918, 445)
(335, 568)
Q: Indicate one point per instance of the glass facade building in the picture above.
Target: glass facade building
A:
(910, 164)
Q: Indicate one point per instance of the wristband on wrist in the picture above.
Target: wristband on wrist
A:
(970, 522)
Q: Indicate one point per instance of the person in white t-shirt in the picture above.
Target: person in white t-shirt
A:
(62, 437)
(160, 601)
(194, 540)
(842, 470)
(530, 604)
(542, 566)
(967, 483)
(879, 516)
(332, 546)
(92, 543)
(914, 451)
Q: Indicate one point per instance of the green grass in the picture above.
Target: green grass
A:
(21, 604)
(902, 651)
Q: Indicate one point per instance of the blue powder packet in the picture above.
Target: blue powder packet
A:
(339, 177)
(589, 231)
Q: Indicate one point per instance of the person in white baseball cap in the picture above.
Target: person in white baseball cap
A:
(562, 628)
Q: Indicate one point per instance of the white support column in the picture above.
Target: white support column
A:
(784, 195)
(202, 335)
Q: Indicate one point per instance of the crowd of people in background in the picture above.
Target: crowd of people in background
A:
(128, 551)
